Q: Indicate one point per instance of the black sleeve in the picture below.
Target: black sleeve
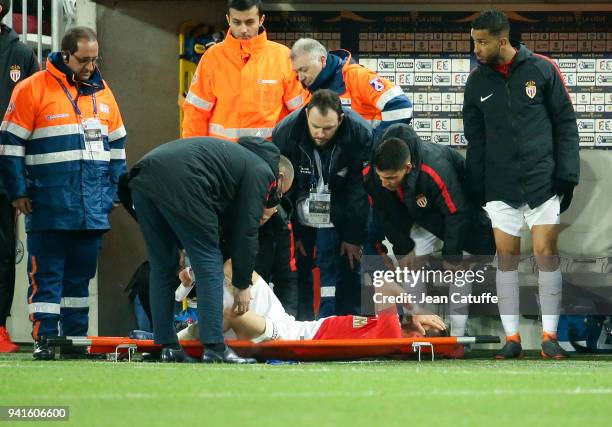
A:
(444, 190)
(249, 205)
(475, 133)
(561, 113)
(284, 270)
(280, 137)
(354, 231)
(388, 211)
(33, 65)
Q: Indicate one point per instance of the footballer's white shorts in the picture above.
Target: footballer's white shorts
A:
(286, 328)
(289, 329)
(425, 243)
(510, 220)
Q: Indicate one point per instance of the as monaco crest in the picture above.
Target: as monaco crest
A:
(530, 89)
(15, 73)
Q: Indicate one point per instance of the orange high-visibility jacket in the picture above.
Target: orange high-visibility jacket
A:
(377, 100)
(241, 88)
(44, 155)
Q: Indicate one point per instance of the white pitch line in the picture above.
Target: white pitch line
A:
(330, 394)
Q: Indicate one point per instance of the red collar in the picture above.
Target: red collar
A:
(504, 69)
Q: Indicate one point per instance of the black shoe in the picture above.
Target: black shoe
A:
(227, 356)
(42, 350)
(72, 352)
(510, 350)
(552, 350)
(169, 355)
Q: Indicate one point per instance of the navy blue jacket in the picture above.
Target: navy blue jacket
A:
(521, 131)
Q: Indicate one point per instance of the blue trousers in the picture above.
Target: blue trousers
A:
(164, 233)
(60, 266)
(340, 285)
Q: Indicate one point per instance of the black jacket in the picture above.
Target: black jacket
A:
(438, 174)
(208, 180)
(521, 131)
(350, 150)
(275, 255)
(17, 62)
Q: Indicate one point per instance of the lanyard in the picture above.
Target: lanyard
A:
(319, 165)
(321, 184)
(73, 102)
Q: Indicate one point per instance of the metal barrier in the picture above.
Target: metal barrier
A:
(39, 41)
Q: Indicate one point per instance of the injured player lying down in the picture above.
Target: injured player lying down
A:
(266, 320)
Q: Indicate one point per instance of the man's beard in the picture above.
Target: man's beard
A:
(494, 59)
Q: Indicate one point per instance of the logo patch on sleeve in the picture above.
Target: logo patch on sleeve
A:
(377, 84)
(104, 108)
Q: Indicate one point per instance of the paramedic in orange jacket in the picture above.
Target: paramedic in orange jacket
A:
(377, 100)
(244, 85)
(62, 149)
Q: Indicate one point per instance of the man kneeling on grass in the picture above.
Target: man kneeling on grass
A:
(267, 320)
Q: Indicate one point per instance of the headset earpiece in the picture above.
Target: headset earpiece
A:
(66, 56)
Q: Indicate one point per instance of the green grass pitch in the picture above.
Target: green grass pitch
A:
(477, 391)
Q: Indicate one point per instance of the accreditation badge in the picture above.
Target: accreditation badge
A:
(318, 207)
(92, 129)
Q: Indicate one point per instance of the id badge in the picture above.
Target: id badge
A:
(319, 208)
(93, 135)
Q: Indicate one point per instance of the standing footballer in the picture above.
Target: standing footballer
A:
(523, 163)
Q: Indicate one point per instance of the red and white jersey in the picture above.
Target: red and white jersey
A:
(360, 327)
(281, 325)
(264, 303)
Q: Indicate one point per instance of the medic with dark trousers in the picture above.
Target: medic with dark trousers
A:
(63, 149)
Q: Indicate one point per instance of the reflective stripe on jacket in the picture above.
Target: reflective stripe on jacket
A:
(43, 154)
(241, 88)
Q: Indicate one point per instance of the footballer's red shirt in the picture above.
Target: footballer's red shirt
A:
(359, 327)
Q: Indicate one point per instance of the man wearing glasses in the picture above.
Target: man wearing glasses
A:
(61, 153)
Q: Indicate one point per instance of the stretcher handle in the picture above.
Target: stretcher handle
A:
(487, 339)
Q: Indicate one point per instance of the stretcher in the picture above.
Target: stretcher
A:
(301, 350)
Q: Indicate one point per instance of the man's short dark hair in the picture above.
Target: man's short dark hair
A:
(242, 5)
(6, 6)
(391, 155)
(73, 35)
(494, 21)
(324, 100)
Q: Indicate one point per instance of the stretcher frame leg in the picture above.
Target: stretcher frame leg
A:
(417, 346)
(131, 349)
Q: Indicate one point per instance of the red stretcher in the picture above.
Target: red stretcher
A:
(303, 350)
